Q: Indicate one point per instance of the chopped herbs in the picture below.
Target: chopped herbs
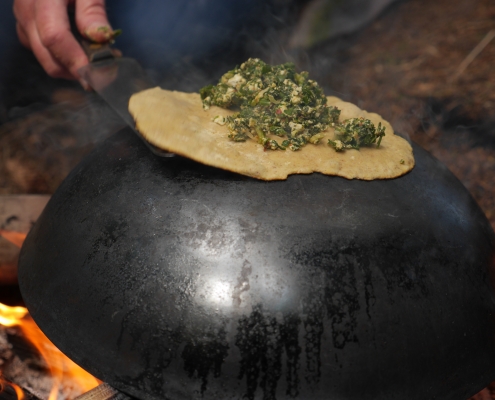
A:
(276, 101)
(356, 132)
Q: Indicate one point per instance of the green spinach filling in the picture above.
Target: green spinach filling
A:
(356, 132)
(278, 101)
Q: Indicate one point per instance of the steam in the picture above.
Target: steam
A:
(42, 143)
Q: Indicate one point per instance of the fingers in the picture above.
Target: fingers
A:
(43, 26)
(25, 13)
(91, 20)
(23, 37)
(49, 63)
(53, 28)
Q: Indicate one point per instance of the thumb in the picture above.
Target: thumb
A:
(91, 20)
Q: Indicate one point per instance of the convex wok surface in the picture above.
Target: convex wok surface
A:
(169, 279)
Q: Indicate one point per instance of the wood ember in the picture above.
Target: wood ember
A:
(21, 364)
(8, 391)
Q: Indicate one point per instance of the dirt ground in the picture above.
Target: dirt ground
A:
(421, 66)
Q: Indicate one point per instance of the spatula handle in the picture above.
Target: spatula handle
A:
(97, 51)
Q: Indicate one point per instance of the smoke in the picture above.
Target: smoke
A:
(394, 61)
(42, 143)
(51, 124)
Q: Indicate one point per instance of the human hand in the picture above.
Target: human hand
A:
(43, 26)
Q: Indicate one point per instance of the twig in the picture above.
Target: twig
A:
(103, 392)
(473, 54)
(412, 64)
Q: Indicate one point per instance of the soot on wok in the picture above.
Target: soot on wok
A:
(177, 280)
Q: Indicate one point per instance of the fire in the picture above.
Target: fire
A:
(13, 237)
(18, 391)
(61, 368)
(10, 316)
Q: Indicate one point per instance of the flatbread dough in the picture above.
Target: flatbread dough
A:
(176, 122)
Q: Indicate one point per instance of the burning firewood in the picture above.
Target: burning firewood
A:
(29, 360)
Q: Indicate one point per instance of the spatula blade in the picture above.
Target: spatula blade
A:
(116, 80)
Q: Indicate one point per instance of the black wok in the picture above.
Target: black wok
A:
(169, 279)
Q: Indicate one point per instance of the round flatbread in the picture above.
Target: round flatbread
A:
(176, 122)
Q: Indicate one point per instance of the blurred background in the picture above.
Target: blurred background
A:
(427, 67)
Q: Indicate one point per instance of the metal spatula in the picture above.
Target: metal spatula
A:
(116, 79)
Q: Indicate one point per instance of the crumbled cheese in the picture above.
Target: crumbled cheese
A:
(236, 81)
(219, 120)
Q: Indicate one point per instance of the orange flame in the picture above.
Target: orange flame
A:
(14, 237)
(61, 368)
(10, 316)
(18, 391)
